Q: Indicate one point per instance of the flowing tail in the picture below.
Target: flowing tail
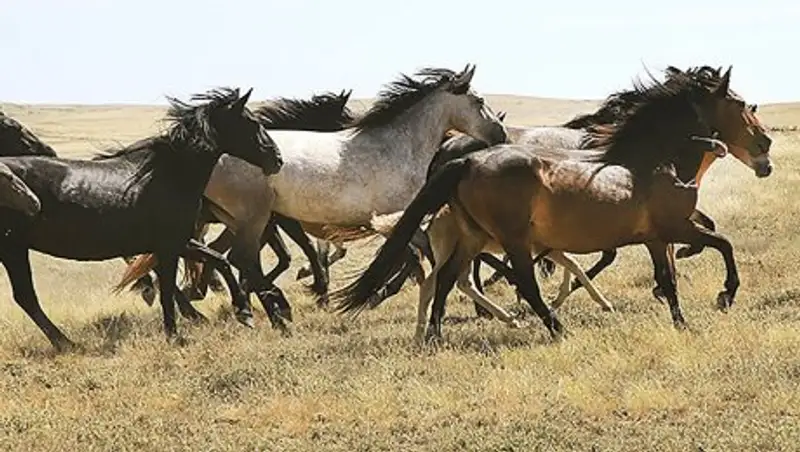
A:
(357, 296)
(136, 269)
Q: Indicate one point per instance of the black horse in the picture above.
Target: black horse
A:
(322, 112)
(144, 198)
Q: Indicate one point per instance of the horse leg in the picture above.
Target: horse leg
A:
(421, 241)
(197, 288)
(272, 238)
(144, 285)
(167, 269)
(467, 286)
(522, 265)
(480, 311)
(446, 278)
(696, 234)
(396, 283)
(693, 250)
(664, 271)
(338, 253)
(499, 267)
(295, 231)
(216, 261)
(18, 266)
(244, 255)
(569, 264)
(606, 259)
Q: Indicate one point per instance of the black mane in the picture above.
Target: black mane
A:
(402, 94)
(323, 112)
(621, 104)
(16, 139)
(649, 136)
(190, 126)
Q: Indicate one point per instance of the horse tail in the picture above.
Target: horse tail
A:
(136, 269)
(357, 295)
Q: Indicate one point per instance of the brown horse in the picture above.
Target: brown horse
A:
(514, 198)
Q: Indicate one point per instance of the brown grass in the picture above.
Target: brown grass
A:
(623, 381)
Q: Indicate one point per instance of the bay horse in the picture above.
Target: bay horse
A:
(629, 189)
(756, 158)
(338, 180)
(142, 198)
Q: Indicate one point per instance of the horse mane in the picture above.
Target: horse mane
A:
(190, 126)
(654, 105)
(22, 135)
(621, 104)
(323, 112)
(400, 95)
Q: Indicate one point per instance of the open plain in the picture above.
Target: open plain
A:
(622, 381)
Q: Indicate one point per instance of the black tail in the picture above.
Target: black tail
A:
(357, 295)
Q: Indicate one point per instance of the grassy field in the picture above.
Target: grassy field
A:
(622, 381)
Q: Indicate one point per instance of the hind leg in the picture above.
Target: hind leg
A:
(523, 266)
(145, 285)
(570, 265)
(295, 231)
(469, 243)
(18, 266)
(480, 311)
(664, 272)
(467, 286)
(245, 255)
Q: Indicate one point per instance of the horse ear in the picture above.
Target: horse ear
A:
(501, 116)
(672, 71)
(461, 81)
(346, 95)
(725, 83)
(240, 103)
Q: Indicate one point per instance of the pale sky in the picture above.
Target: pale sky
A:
(136, 51)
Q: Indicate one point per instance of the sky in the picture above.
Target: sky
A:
(138, 51)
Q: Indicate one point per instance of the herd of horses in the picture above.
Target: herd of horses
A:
(430, 166)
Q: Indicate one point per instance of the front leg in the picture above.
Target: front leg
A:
(693, 250)
(695, 234)
(198, 251)
(167, 269)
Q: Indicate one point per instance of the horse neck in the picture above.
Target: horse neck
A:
(189, 171)
(419, 130)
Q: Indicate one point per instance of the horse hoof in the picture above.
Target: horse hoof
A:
(246, 319)
(608, 308)
(681, 325)
(149, 295)
(658, 293)
(322, 301)
(216, 286)
(517, 324)
(192, 294)
(724, 301)
(303, 273)
(67, 346)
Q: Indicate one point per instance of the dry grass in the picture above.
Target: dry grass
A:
(623, 381)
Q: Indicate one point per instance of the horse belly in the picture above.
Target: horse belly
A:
(584, 227)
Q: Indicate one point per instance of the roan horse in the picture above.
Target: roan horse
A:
(323, 112)
(340, 179)
(139, 199)
(516, 197)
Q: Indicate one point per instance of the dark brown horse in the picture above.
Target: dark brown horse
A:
(628, 190)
